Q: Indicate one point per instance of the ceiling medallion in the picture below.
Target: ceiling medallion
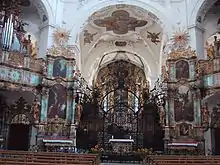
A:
(120, 22)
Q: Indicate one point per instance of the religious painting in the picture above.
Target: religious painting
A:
(184, 129)
(59, 68)
(184, 108)
(120, 22)
(57, 102)
(182, 70)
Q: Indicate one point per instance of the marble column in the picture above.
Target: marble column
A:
(197, 40)
(50, 67)
(69, 106)
(73, 125)
(70, 68)
(44, 104)
(167, 112)
(197, 107)
(166, 138)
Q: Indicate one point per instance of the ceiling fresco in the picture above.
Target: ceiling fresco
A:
(121, 28)
(120, 22)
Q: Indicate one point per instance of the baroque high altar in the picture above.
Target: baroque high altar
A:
(128, 76)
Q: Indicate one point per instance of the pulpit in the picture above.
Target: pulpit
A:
(121, 145)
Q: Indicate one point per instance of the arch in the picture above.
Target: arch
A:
(197, 8)
(94, 73)
(86, 11)
(49, 11)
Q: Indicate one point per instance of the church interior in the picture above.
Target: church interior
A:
(90, 82)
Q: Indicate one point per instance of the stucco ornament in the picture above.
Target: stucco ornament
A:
(60, 46)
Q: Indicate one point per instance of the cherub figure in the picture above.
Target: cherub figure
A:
(154, 37)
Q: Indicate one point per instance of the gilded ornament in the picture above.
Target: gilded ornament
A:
(210, 50)
(180, 38)
(182, 53)
(60, 46)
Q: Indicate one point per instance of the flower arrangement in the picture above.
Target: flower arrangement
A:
(97, 149)
(145, 151)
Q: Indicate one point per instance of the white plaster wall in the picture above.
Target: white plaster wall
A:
(210, 25)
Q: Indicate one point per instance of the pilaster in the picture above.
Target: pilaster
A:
(197, 40)
(46, 39)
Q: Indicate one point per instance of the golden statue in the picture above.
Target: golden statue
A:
(33, 49)
(210, 50)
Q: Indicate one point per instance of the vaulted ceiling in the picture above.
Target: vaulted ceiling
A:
(121, 32)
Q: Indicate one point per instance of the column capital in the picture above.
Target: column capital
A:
(196, 26)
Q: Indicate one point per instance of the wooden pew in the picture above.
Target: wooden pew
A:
(187, 160)
(34, 158)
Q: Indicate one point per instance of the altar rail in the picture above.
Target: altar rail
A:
(187, 160)
(46, 158)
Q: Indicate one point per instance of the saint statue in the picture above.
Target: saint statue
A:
(216, 46)
(78, 113)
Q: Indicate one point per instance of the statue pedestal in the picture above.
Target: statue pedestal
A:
(121, 145)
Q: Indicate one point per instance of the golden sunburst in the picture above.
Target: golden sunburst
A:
(180, 38)
(61, 36)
